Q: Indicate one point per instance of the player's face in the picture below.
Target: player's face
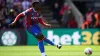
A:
(37, 7)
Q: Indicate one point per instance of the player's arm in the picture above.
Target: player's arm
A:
(17, 18)
(43, 23)
(97, 20)
(20, 15)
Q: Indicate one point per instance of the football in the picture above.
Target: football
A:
(88, 51)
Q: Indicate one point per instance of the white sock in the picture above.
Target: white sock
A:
(55, 44)
(43, 54)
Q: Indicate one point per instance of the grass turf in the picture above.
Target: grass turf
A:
(50, 51)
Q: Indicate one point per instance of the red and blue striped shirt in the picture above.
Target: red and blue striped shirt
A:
(31, 17)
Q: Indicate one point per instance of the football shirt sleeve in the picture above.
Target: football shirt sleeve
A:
(22, 14)
(26, 12)
(41, 20)
(18, 16)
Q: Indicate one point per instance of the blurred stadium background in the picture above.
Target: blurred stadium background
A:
(67, 18)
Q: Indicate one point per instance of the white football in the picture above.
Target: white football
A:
(88, 51)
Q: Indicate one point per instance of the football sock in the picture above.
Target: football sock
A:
(41, 46)
(48, 41)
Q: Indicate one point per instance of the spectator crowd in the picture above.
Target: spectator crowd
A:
(9, 9)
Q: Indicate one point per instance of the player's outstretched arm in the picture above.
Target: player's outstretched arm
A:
(17, 17)
(43, 23)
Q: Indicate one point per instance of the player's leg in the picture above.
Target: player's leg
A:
(40, 37)
(34, 31)
(48, 41)
(51, 43)
(41, 47)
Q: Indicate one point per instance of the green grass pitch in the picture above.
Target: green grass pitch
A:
(50, 51)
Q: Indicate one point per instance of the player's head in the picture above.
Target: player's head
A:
(36, 6)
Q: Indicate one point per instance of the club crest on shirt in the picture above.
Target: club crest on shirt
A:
(33, 17)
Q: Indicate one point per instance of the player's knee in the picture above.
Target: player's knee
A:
(40, 37)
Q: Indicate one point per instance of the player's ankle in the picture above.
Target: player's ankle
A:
(55, 44)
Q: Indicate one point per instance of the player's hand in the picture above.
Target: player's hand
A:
(48, 25)
(12, 24)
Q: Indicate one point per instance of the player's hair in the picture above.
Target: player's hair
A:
(34, 4)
